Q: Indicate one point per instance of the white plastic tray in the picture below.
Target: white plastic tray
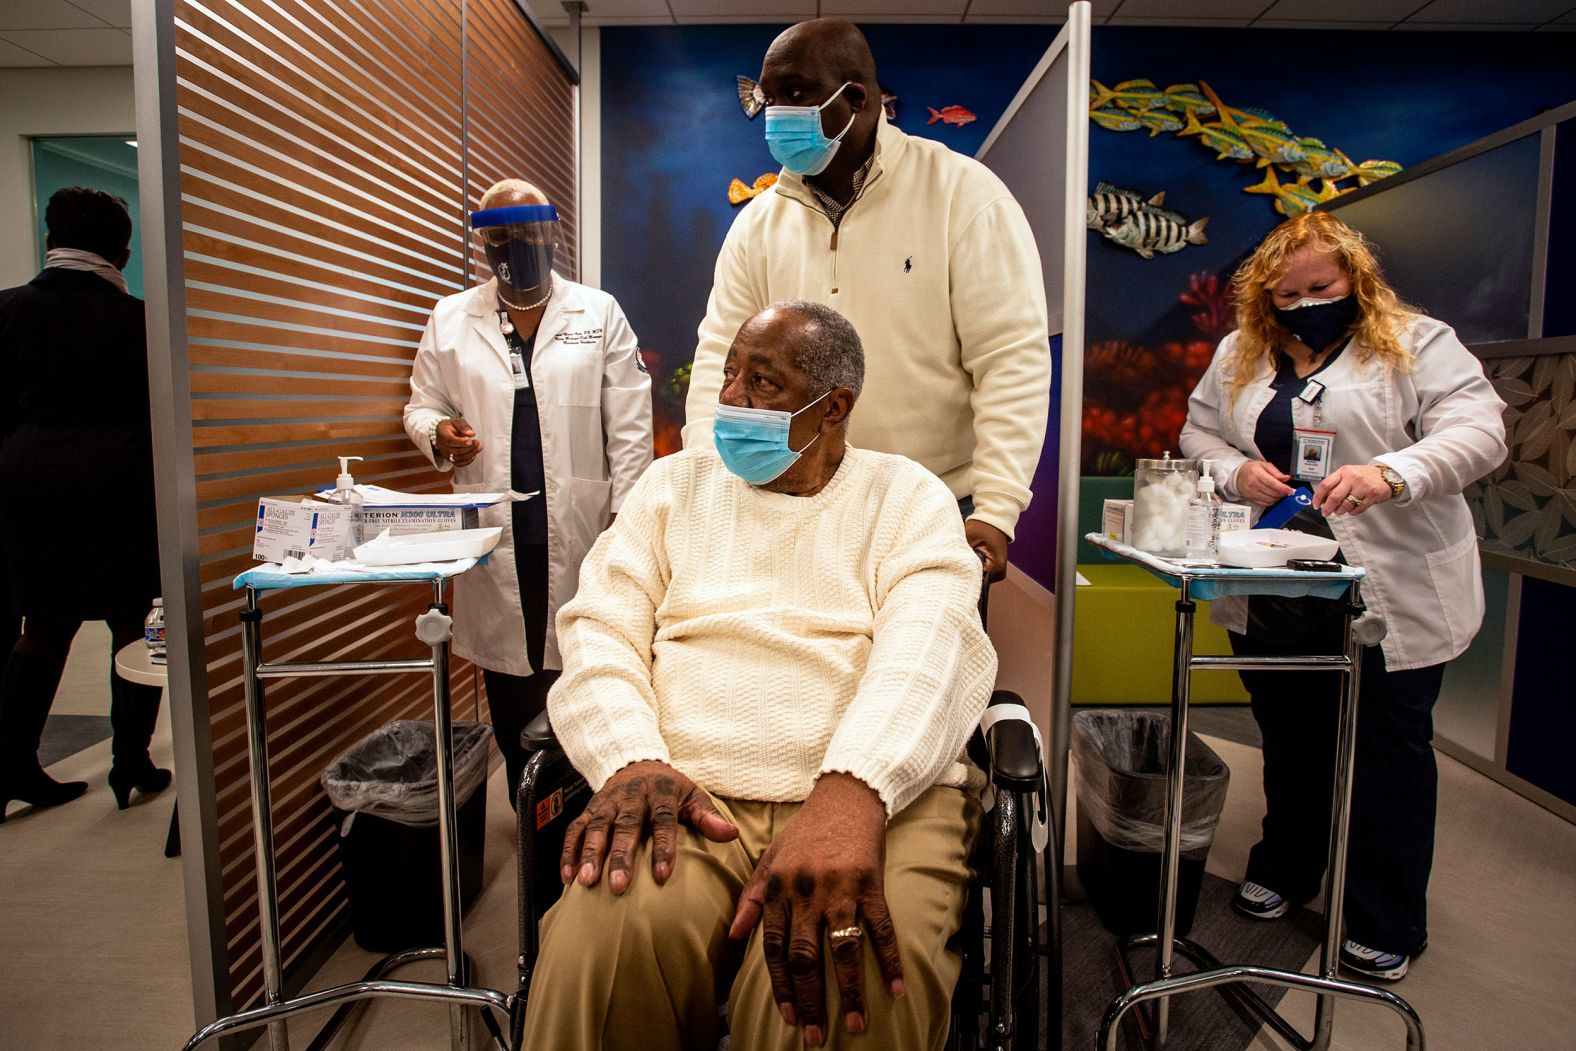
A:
(1265, 548)
(405, 550)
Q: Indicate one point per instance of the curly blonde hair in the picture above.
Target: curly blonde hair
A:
(1381, 315)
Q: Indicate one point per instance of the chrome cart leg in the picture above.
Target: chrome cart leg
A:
(433, 628)
(1341, 800)
(262, 816)
(1165, 924)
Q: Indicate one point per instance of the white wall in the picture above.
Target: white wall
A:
(58, 101)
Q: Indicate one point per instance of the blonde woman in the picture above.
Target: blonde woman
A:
(1332, 383)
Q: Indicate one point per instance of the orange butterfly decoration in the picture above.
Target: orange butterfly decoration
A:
(738, 193)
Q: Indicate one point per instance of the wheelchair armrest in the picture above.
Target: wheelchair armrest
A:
(1014, 752)
(538, 735)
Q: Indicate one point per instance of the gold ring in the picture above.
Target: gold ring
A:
(843, 933)
(1354, 500)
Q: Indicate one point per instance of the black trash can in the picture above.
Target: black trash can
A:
(1122, 758)
(387, 787)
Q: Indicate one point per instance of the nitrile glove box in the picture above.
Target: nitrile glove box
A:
(405, 513)
(295, 528)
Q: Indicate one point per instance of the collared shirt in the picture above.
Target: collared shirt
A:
(833, 210)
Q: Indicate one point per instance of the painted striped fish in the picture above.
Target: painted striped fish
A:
(1109, 205)
(1152, 230)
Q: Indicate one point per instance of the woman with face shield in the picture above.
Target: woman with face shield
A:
(1330, 383)
(533, 383)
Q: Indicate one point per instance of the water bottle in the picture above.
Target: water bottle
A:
(153, 629)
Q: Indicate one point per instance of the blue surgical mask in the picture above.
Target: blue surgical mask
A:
(753, 443)
(794, 135)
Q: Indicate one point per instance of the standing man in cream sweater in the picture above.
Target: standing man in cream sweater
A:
(772, 666)
(924, 250)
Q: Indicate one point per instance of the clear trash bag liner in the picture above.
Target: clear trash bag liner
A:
(1121, 759)
(393, 772)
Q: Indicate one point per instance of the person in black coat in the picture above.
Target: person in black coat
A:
(77, 529)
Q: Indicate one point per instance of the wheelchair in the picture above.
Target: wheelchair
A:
(997, 1004)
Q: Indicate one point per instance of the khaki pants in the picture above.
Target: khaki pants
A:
(649, 969)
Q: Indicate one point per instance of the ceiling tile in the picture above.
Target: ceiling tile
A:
(1274, 23)
(854, 9)
(12, 57)
(112, 12)
(1567, 19)
(1042, 9)
(1558, 27)
(617, 8)
(1464, 27)
(76, 47)
(1196, 11)
(1503, 12)
(642, 20)
(1015, 20)
(1342, 10)
(44, 14)
(744, 10)
(1169, 20)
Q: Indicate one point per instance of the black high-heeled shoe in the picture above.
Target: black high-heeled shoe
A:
(39, 789)
(149, 780)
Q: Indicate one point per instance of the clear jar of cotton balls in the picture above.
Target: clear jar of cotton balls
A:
(1161, 490)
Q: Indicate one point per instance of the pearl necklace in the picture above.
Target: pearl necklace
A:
(529, 306)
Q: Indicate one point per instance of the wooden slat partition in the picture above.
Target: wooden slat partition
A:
(329, 150)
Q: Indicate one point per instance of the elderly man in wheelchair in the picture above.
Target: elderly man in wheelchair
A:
(771, 670)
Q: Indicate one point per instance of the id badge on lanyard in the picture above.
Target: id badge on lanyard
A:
(517, 369)
(1312, 449)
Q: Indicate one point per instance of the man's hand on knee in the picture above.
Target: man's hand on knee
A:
(824, 873)
(642, 795)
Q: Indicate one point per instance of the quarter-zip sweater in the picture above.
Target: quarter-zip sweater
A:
(936, 267)
(755, 640)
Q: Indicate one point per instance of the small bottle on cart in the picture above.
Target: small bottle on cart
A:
(345, 492)
(153, 631)
(1203, 519)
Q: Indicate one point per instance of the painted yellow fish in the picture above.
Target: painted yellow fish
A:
(1271, 140)
(1373, 171)
(738, 193)
(1226, 141)
(1294, 198)
(1129, 94)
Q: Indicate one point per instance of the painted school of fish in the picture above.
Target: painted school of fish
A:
(1242, 135)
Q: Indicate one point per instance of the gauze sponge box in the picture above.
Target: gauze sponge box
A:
(296, 528)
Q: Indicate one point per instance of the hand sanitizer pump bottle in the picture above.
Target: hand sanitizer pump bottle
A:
(345, 493)
(1203, 518)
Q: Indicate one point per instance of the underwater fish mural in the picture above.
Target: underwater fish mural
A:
(955, 115)
(1293, 198)
(889, 105)
(738, 193)
(1109, 205)
(1238, 134)
(1152, 230)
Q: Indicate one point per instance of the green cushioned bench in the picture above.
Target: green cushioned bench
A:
(1125, 624)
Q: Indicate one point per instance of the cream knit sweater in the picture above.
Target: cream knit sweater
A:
(936, 268)
(755, 640)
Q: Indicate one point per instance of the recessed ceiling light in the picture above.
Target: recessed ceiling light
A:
(132, 143)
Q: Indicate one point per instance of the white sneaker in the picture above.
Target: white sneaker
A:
(1259, 903)
(1375, 963)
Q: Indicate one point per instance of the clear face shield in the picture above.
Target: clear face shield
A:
(519, 243)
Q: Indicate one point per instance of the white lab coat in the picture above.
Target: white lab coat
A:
(1439, 425)
(593, 397)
